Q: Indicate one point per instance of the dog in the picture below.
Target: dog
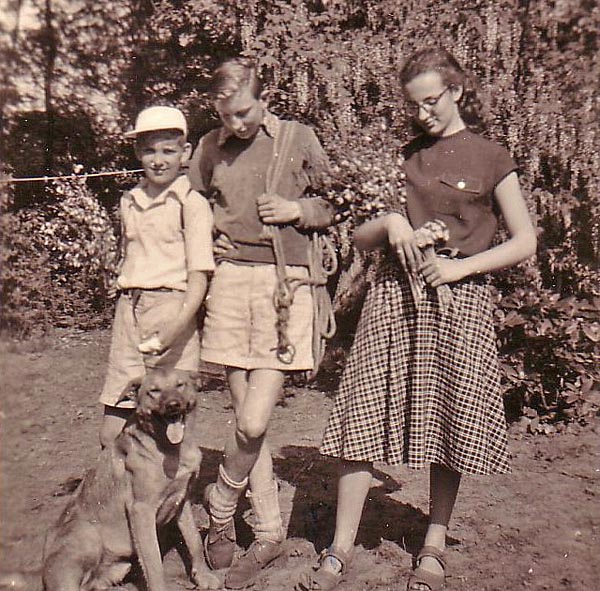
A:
(140, 484)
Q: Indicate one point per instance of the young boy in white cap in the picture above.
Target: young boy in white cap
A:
(166, 254)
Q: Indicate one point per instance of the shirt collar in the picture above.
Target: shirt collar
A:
(270, 123)
(179, 188)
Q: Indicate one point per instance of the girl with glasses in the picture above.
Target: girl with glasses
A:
(421, 384)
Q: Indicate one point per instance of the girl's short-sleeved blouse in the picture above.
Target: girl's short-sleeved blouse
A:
(453, 179)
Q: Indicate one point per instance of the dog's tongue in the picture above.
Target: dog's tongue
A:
(175, 432)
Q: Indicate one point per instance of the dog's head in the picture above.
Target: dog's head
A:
(163, 400)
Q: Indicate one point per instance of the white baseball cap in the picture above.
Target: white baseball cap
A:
(157, 118)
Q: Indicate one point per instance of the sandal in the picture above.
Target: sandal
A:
(320, 579)
(419, 576)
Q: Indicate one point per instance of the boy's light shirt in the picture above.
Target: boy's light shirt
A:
(270, 124)
(165, 237)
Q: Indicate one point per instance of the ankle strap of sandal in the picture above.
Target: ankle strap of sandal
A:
(431, 552)
(338, 554)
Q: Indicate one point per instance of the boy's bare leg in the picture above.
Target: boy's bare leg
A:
(261, 474)
(254, 395)
(248, 458)
(112, 424)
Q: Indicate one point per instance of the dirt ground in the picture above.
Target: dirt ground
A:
(537, 529)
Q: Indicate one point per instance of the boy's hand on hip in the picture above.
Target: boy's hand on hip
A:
(222, 244)
(113, 290)
(273, 209)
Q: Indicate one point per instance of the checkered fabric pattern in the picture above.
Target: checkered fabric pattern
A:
(420, 386)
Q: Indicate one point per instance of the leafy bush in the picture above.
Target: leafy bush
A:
(550, 351)
(56, 262)
(334, 65)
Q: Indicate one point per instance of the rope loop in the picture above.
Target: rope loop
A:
(322, 263)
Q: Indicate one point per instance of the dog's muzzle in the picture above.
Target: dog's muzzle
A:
(174, 414)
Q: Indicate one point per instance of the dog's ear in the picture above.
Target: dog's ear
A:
(128, 398)
(196, 380)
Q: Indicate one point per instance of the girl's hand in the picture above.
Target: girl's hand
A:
(440, 270)
(401, 237)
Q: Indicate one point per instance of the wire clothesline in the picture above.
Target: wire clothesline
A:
(86, 175)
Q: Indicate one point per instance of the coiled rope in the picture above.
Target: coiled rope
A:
(322, 263)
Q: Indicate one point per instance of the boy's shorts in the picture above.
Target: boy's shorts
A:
(240, 324)
(130, 327)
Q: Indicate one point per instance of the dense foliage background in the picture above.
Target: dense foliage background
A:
(77, 72)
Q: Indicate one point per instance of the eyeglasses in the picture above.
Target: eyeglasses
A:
(427, 105)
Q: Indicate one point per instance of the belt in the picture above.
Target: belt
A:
(451, 253)
(136, 291)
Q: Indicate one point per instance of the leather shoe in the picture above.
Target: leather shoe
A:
(219, 544)
(259, 555)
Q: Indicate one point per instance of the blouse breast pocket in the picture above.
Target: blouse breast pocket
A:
(457, 190)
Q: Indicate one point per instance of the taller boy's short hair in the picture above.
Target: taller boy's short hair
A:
(233, 75)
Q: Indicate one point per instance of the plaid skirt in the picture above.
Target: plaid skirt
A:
(421, 385)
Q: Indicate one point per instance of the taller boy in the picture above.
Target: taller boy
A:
(234, 166)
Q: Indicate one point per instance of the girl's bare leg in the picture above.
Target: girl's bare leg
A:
(353, 487)
(443, 488)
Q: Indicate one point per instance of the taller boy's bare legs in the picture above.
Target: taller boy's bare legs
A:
(247, 460)
(254, 395)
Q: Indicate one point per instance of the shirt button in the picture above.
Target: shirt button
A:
(461, 184)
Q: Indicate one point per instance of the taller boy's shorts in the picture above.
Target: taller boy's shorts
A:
(240, 324)
(132, 325)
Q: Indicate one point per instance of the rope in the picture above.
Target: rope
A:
(283, 296)
(323, 264)
(45, 179)
(319, 249)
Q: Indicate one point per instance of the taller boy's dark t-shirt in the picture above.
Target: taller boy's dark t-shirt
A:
(232, 173)
(453, 179)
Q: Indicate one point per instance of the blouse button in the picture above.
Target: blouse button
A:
(461, 184)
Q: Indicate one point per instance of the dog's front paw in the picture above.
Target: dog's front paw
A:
(204, 579)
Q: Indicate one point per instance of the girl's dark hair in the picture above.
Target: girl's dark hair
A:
(439, 60)
(233, 75)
